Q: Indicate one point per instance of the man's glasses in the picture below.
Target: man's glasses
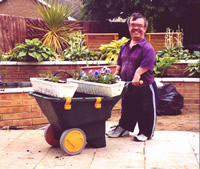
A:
(137, 25)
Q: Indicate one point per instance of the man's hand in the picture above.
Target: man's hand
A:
(117, 71)
(136, 79)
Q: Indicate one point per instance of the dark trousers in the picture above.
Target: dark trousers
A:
(139, 106)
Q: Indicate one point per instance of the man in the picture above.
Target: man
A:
(135, 63)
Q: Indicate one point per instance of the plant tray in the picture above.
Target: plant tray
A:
(100, 89)
(61, 90)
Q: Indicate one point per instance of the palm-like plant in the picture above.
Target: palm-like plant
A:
(54, 14)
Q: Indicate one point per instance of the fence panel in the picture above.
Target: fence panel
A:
(12, 31)
(94, 40)
(158, 40)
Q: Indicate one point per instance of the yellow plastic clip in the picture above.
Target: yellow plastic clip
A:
(98, 103)
(68, 105)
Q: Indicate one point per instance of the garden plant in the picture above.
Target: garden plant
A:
(103, 76)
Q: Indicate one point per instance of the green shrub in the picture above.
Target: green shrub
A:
(162, 63)
(32, 50)
(77, 50)
(110, 52)
(193, 69)
(178, 52)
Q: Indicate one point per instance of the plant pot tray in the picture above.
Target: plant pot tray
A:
(61, 90)
(100, 89)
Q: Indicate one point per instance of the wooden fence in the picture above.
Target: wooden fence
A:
(95, 40)
(15, 29)
(159, 40)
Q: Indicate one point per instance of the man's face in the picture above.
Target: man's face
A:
(137, 29)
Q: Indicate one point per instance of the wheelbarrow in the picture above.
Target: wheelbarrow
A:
(77, 121)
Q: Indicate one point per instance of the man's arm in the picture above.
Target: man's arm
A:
(137, 76)
(117, 70)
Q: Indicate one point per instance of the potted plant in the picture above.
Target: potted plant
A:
(101, 83)
(53, 86)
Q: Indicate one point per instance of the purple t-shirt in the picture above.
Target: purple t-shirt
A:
(140, 55)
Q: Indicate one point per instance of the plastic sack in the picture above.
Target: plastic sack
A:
(170, 101)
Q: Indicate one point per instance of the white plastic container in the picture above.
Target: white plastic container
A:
(61, 90)
(99, 89)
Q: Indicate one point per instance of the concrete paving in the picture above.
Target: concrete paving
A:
(27, 149)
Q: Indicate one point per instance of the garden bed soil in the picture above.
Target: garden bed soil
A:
(182, 122)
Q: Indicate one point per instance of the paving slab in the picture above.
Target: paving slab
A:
(27, 149)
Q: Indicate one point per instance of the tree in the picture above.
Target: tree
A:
(160, 13)
(54, 14)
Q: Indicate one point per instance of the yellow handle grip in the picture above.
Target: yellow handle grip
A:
(141, 82)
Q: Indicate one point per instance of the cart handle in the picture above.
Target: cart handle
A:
(62, 72)
(127, 85)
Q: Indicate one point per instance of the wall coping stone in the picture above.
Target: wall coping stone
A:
(17, 90)
(57, 62)
(177, 79)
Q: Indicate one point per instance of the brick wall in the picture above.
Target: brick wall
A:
(22, 73)
(176, 70)
(21, 110)
(191, 93)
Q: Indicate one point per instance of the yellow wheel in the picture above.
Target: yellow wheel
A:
(73, 141)
(49, 136)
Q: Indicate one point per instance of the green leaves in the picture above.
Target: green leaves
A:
(177, 51)
(110, 51)
(162, 64)
(54, 15)
(193, 69)
(32, 50)
(50, 77)
(77, 50)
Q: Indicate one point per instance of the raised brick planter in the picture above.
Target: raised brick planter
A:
(19, 109)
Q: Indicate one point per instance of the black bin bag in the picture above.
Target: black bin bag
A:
(170, 101)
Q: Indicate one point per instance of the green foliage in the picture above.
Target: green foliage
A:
(162, 63)
(110, 52)
(50, 77)
(193, 69)
(77, 50)
(1, 57)
(32, 50)
(177, 52)
(104, 76)
(54, 16)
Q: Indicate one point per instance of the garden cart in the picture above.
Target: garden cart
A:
(76, 121)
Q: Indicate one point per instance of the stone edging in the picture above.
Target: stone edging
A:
(176, 79)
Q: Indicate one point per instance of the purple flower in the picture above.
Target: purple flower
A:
(103, 68)
(90, 72)
(96, 73)
(117, 77)
(107, 71)
(82, 73)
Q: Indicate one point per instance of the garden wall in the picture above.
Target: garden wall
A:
(21, 71)
(21, 110)
(17, 108)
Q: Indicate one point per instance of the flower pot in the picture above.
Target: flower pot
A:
(61, 90)
(98, 89)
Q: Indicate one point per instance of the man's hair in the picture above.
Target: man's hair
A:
(135, 16)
